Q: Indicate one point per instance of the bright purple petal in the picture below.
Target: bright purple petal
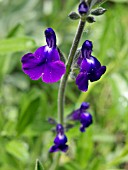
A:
(32, 66)
(90, 65)
(53, 72)
(51, 54)
(82, 81)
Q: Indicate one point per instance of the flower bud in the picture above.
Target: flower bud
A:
(83, 8)
(98, 11)
(73, 16)
(90, 19)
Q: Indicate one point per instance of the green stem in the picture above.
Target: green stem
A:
(61, 94)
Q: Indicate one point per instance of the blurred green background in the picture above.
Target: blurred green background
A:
(25, 105)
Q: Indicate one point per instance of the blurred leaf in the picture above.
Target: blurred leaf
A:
(22, 83)
(122, 1)
(17, 30)
(16, 44)
(28, 110)
(18, 149)
(38, 165)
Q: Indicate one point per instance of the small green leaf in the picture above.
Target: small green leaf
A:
(16, 44)
(38, 165)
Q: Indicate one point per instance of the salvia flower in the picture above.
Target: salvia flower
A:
(60, 140)
(90, 67)
(82, 115)
(45, 61)
(83, 8)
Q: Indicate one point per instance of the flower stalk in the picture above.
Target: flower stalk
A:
(62, 87)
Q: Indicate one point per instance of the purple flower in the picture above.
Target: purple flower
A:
(82, 115)
(60, 140)
(83, 8)
(85, 120)
(90, 67)
(45, 61)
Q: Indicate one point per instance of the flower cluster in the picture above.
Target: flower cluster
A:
(60, 140)
(90, 67)
(82, 115)
(45, 61)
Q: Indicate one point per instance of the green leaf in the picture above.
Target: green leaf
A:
(121, 1)
(18, 149)
(29, 109)
(16, 44)
(38, 165)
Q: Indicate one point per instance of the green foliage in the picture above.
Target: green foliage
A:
(16, 44)
(38, 165)
(25, 105)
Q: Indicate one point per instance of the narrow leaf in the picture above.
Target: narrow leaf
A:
(16, 44)
(38, 165)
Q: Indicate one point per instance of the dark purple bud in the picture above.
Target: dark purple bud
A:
(84, 106)
(59, 129)
(83, 8)
(50, 37)
(86, 121)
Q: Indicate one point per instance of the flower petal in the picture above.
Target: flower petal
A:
(75, 115)
(51, 54)
(90, 65)
(63, 148)
(53, 72)
(82, 81)
(97, 75)
(84, 106)
(82, 128)
(54, 148)
(86, 119)
(60, 139)
(32, 66)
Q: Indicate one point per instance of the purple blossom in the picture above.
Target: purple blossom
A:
(83, 8)
(60, 140)
(90, 67)
(45, 61)
(82, 115)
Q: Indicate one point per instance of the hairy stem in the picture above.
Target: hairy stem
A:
(61, 94)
